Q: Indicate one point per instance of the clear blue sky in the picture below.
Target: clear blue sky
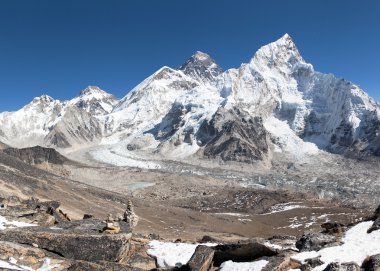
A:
(60, 47)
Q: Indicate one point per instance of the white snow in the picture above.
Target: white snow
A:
(248, 266)
(117, 159)
(283, 207)
(12, 265)
(170, 254)
(47, 266)
(277, 85)
(4, 223)
(274, 246)
(233, 214)
(8, 265)
(357, 245)
(287, 140)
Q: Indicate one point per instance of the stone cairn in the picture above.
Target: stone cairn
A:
(112, 223)
(112, 226)
(129, 215)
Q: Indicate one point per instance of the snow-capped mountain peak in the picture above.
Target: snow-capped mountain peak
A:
(201, 56)
(93, 92)
(95, 100)
(201, 67)
(43, 98)
(277, 53)
(198, 109)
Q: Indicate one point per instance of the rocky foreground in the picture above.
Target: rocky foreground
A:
(37, 235)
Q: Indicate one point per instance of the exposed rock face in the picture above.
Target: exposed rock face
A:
(201, 67)
(232, 136)
(78, 240)
(377, 212)
(376, 223)
(375, 226)
(315, 241)
(32, 257)
(37, 155)
(241, 252)
(66, 245)
(342, 267)
(74, 128)
(333, 228)
(63, 124)
(99, 266)
(170, 123)
(3, 146)
(202, 259)
(372, 263)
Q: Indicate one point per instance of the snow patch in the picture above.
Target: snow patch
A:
(357, 245)
(283, 207)
(172, 254)
(4, 224)
(286, 139)
(248, 266)
(107, 156)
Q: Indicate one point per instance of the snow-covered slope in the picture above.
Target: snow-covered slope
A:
(319, 108)
(28, 126)
(276, 102)
(50, 122)
(95, 101)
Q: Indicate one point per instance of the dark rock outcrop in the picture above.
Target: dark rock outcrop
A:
(377, 212)
(100, 266)
(247, 252)
(233, 136)
(342, 267)
(372, 263)
(315, 241)
(37, 155)
(333, 228)
(201, 67)
(202, 259)
(376, 217)
(31, 257)
(375, 226)
(78, 240)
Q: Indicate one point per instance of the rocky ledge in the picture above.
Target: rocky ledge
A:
(38, 235)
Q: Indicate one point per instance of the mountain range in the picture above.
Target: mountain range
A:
(274, 104)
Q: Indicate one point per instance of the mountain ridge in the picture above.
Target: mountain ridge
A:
(296, 104)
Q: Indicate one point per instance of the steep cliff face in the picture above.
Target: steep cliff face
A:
(202, 68)
(37, 155)
(234, 136)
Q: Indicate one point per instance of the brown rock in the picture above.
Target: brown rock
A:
(78, 240)
(138, 258)
(315, 241)
(333, 227)
(43, 219)
(202, 259)
(30, 256)
(281, 263)
(245, 252)
(342, 267)
(372, 263)
(375, 226)
(100, 266)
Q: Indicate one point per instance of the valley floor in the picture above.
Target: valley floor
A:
(190, 204)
